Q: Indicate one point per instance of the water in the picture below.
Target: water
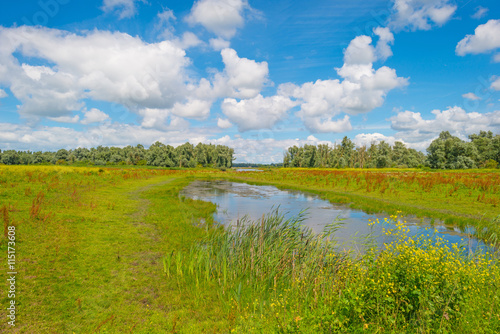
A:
(235, 200)
(248, 170)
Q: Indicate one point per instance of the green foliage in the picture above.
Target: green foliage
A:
(346, 155)
(445, 152)
(160, 155)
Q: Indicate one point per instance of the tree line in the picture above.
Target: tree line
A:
(186, 155)
(445, 152)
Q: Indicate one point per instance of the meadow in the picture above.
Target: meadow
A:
(113, 250)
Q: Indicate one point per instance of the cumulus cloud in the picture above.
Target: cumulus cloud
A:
(320, 124)
(495, 84)
(362, 89)
(257, 113)
(414, 129)
(420, 14)
(187, 41)
(386, 38)
(486, 38)
(366, 139)
(193, 108)
(124, 8)
(100, 65)
(218, 44)
(480, 12)
(221, 17)
(471, 96)
(224, 123)
(241, 78)
(23, 137)
(94, 116)
(3, 94)
(65, 119)
(162, 119)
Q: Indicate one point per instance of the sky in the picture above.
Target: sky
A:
(258, 76)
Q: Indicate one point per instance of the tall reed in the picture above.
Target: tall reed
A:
(263, 256)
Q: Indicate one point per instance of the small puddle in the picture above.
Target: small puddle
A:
(235, 200)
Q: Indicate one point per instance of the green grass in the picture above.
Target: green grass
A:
(112, 250)
(91, 258)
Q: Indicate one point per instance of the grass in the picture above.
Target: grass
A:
(110, 250)
(88, 257)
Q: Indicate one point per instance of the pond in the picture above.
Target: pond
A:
(235, 200)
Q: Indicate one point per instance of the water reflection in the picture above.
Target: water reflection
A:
(235, 200)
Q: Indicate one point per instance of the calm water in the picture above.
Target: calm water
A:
(235, 200)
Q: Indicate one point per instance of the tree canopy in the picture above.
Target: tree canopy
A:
(158, 154)
(445, 152)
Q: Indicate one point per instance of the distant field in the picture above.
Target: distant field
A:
(115, 250)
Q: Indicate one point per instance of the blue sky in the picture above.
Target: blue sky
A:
(258, 76)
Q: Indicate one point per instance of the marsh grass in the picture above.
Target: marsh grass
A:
(261, 255)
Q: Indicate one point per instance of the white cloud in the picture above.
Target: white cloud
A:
(257, 113)
(320, 124)
(224, 123)
(221, 17)
(124, 8)
(23, 137)
(94, 116)
(163, 24)
(486, 38)
(36, 72)
(242, 77)
(219, 43)
(471, 96)
(162, 120)
(416, 130)
(386, 38)
(65, 119)
(366, 139)
(495, 84)
(100, 65)
(420, 14)
(188, 40)
(496, 58)
(480, 13)
(362, 90)
(3, 94)
(193, 108)
(360, 51)
(166, 16)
